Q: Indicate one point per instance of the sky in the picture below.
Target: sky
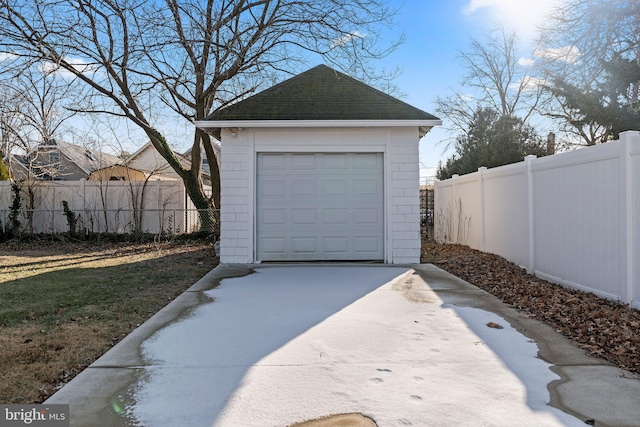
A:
(436, 31)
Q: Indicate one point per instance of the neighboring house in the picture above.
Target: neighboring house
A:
(148, 159)
(59, 161)
(320, 167)
(205, 162)
(122, 172)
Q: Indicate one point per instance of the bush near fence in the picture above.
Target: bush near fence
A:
(122, 221)
(571, 218)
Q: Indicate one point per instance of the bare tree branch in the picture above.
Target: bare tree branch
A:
(193, 56)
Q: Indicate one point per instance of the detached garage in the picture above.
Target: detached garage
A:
(320, 167)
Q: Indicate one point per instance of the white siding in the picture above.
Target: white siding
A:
(149, 160)
(238, 178)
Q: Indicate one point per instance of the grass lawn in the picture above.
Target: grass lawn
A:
(62, 305)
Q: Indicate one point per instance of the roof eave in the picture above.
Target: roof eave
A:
(216, 125)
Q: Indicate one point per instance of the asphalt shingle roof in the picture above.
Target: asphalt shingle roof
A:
(320, 93)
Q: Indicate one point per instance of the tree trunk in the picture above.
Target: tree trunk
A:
(213, 168)
(191, 177)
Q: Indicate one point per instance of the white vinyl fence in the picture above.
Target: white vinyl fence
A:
(102, 207)
(571, 218)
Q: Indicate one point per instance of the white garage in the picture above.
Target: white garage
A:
(320, 167)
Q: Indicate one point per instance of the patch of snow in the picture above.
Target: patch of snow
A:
(288, 344)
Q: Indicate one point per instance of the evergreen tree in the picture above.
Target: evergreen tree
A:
(4, 172)
(612, 104)
(492, 140)
(590, 51)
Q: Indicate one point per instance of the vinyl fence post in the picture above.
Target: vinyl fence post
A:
(528, 160)
(83, 186)
(626, 141)
(454, 226)
(483, 224)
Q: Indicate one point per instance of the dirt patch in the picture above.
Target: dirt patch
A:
(604, 328)
(341, 420)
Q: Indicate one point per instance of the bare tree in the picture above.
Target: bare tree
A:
(31, 114)
(578, 46)
(11, 122)
(139, 56)
(495, 78)
(34, 109)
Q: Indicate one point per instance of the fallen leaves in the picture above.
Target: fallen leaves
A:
(604, 328)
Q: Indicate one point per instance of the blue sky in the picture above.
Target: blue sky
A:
(436, 31)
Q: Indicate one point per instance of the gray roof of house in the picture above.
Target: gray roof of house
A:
(88, 160)
(320, 93)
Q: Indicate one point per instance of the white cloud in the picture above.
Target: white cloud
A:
(347, 38)
(526, 62)
(475, 5)
(569, 54)
(6, 56)
(467, 97)
(529, 84)
(80, 65)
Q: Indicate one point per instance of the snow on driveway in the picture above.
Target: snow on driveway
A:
(288, 344)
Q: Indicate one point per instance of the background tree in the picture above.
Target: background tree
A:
(34, 108)
(4, 171)
(11, 121)
(139, 57)
(493, 139)
(496, 78)
(590, 51)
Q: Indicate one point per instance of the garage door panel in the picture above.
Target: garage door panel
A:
(273, 245)
(272, 217)
(366, 160)
(303, 216)
(271, 162)
(304, 161)
(334, 216)
(333, 188)
(304, 245)
(334, 161)
(273, 188)
(304, 188)
(363, 245)
(316, 206)
(366, 216)
(368, 187)
(335, 245)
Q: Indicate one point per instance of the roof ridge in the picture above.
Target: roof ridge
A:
(320, 93)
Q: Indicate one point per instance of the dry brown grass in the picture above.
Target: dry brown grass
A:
(63, 305)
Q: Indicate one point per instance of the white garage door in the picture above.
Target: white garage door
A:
(320, 206)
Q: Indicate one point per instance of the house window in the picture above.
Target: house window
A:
(54, 158)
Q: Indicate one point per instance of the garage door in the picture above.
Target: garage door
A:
(320, 206)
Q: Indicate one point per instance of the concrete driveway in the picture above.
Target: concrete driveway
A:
(275, 345)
